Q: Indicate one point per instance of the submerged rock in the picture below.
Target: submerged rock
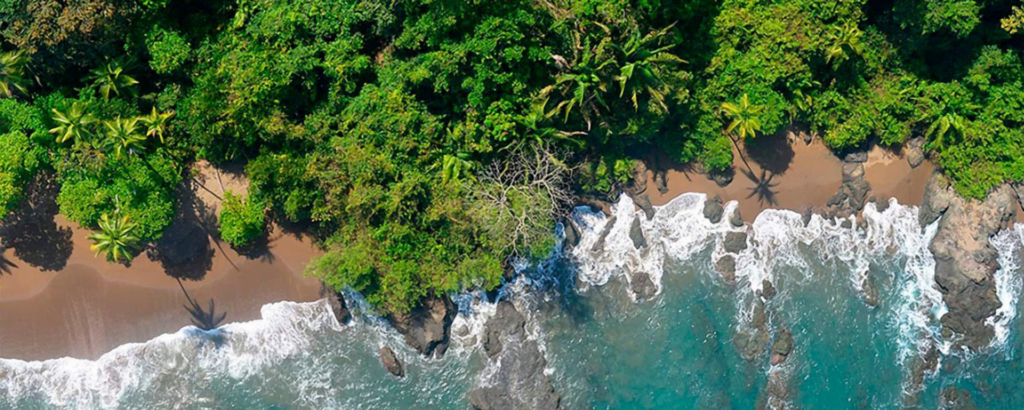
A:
(642, 286)
(767, 289)
(735, 242)
(957, 399)
(337, 302)
(726, 265)
(391, 362)
(426, 328)
(636, 234)
(713, 209)
(782, 347)
(520, 383)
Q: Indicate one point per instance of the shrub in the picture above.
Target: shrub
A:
(241, 220)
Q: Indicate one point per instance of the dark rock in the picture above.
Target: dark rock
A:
(858, 194)
(722, 178)
(735, 242)
(736, 219)
(521, 382)
(782, 347)
(915, 157)
(644, 203)
(767, 289)
(846, 224)
(391, 362)
(638, 184)
(642, 286)
(636, 234)
(572, 234)
(1019, 189)
(856, 156)
(426, 328)
(853, 171)
(599, 244)
(838, 198)
(881, 206)
(660, 183)
(965, 261)
(759, 319)
(337, 302)
(870, 289)
(713, 209)
(726, 265)
(806, 216)
(807, 137)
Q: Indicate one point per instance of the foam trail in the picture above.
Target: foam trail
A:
(1008, 281)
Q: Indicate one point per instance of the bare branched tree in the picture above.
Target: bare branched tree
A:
(522, 196)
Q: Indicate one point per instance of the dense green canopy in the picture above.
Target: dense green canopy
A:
(390, 126)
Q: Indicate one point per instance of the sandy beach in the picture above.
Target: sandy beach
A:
(57, 299)
(798, 175)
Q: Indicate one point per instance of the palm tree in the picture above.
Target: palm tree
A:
(583, 82)
(71, 124)
(843, 41)
(12, 73)
(123, 134)
(156, 123)
(115, 238)
(646, 66)
(535, 122)
(111, 78)
(745, 122)
(946, 124)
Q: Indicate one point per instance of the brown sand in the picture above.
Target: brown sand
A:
(808, 180)
(91, 306)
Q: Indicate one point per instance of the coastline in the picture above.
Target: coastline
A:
(90, 306)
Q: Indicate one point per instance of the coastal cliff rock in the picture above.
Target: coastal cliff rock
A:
(337, 302)
(713, 209)
(1019, 189)
(520, 383)
(965, 262)
(426, 328)
(643, 202)
(391, 362)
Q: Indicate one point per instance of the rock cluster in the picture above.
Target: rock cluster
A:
(965, 262)
(426, 328)
(391, 362)
(853, 193)
(521, 382)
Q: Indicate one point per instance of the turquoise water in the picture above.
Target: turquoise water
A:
(681, 349)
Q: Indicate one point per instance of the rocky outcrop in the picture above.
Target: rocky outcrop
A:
(782, 347)
(521, 382)
(426, 328)
(853, 193)
(391, 362)
(752, 340)
(644, 203)
(713, 209)
(957, 399)
(636, 234)
(767, 289)
(736, 220)
(1019, 189)
(337, 302)
(572, 233)
(965, 262)
(642, 286)
(915, 151)
(735, 242)
(599, 244)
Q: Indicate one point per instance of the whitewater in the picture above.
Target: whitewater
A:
(858, 295)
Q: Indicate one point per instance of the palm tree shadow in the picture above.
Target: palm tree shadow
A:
(205, 319)
(5, 264)
(762, 186)
(31, 230)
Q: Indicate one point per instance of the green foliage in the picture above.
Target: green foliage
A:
(114, 239)
(19, 161)
(71, 125)
(112, 79)
(12, 73)
(168, 49)
(241, 220)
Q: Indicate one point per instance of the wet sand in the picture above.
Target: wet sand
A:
(798, 175)
(90, 306)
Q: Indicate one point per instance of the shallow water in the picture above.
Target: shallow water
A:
(682, 349)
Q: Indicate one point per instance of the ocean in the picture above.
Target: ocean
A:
(859, 300)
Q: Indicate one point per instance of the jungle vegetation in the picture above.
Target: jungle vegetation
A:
(430, 141)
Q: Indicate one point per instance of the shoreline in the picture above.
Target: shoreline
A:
(89, 306)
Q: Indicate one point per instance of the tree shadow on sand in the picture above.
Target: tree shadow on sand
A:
(185, 251)
(763, 186)
(772, 153)
(5, 264)
(32, 230)
(205, 319)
